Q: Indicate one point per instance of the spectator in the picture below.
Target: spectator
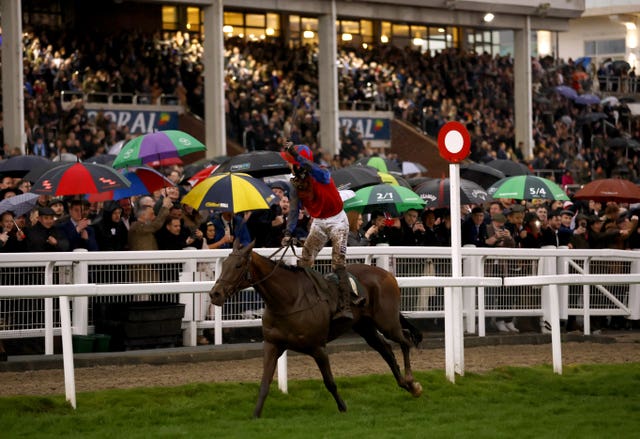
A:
(43, 236)
(77, 229)
(141, 232)
(229, 227)
(357, 237)
(208, 230)
(12, 240)
(173, 236)
(111, 233)
(474, 229)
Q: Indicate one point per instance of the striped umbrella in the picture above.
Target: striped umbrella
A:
(157, 147)
(231, 192)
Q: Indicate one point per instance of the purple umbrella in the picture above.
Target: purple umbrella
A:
(587, 99)
(566, 91)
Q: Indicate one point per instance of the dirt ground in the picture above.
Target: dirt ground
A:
(477, 359)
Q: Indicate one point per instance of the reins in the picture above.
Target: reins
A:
(278, 262)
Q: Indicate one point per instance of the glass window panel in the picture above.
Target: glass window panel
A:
(309, 24)
(366, 28)
(273, 22)
(255, 20)
(169, 14)
(589, 47)
(193, 19)
(610, 46)
(233, 19)
(352, 27)
(419, 31)
(385, 28)
(400, 30)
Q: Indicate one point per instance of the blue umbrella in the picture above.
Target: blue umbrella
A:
(587, 99)
(566, 91)
(20, 204)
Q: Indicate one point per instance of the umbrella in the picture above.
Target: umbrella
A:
(355, 177)
(102, 159)
(20, 204)
(409, 168)
(620, 66)
(609, 189)
(231, 192)
(144, 180)
(566, 91)
(527, 187)
(257, 164)
(35, 173)
(385, 197)
(437, 192)
(415, 181)
(583, 61)
(66, 157)
(509, 167)
(20, 165)
(157, 147)
(484, 175)
(591, 117)
(79, 178)
(380, 163)
(197, 166)
(587, 99)
(116, 147)
(610, 100)
(623, 142)
(201, 175)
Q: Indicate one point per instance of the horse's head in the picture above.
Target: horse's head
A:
(234, 275)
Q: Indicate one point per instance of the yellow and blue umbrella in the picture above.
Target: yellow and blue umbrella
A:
(231, 192)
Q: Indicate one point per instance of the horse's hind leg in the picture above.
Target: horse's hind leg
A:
(373, 338)
(322, 360)
(271, 353)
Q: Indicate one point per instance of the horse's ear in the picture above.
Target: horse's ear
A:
(251, 245)
(236, 244)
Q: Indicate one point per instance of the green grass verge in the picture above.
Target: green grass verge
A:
(585, 402)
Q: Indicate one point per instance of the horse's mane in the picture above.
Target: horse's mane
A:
(282, 264)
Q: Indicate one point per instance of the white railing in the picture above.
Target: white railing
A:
(510, 273)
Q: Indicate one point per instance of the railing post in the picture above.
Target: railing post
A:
(563, 290)
(634, 293)
(586, 301)
(217, 310)
(188, 274)
(470, 268)
(48, 311)
(549, 267)
(80, 318)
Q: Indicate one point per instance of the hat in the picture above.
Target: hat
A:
(46, 211)
(516, 208)
(302, 150)
(55, 201)
(499, 218)
(566, 212)
(567, 204)
(280, 184)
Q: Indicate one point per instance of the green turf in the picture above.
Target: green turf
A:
(585, 402)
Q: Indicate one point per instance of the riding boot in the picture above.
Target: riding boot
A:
(344, 295)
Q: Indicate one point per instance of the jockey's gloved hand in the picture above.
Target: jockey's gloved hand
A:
(286, 239)
(290, 148)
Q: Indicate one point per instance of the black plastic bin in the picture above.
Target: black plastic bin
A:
(140, 325)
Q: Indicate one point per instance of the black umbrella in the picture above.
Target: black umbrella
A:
(509, 167)
(257, 164)
(484, 175)
(355, 177)
(35, 173)
(102, 159)
(18, 166)
(436, 193)
(591, 117)
(416, 181)
(623, 142)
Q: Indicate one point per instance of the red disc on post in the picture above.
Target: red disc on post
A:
(454, 142)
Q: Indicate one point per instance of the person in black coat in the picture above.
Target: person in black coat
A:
(77, 228)
(44, 236)
(474, 229)
(111, 233)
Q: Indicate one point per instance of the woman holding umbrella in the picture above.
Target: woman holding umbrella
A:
(314, 190)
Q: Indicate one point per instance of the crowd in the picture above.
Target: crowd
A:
(271, 94)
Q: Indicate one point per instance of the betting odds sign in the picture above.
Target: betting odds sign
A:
(454, 142)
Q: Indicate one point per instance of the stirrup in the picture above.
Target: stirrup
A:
(344, 313)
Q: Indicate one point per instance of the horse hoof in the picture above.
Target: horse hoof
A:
(416, 389)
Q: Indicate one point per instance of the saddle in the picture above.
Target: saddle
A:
(329, 284)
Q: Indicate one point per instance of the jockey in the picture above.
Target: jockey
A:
(314, 190)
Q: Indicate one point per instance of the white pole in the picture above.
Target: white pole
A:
(556, 345)
(454, 344)
(283, 383)
(67, 352)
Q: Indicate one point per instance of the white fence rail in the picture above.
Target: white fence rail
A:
(536, 283)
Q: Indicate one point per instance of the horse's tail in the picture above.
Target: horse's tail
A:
(414, 334)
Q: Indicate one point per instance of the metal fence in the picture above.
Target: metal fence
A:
(27, 317)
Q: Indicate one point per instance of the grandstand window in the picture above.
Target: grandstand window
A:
(604, 47)
(43, 13)
(303, 30)
(194, 20)
(169, 18)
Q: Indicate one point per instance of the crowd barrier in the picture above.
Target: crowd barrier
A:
(42, 297)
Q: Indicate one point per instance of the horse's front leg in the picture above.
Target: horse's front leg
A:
(322, 360)
(271, 353)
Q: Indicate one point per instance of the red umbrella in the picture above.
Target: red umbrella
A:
(143, 180)
(79, 178)
(609, 189)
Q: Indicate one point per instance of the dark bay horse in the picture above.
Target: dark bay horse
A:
(298, 317)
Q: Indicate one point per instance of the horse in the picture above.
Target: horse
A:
(298, 315)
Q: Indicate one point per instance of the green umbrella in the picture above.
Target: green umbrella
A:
(527, 187)
(385, 197)
(157, 147)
